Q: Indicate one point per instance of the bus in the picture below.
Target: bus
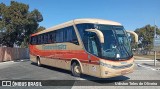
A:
(96, 47)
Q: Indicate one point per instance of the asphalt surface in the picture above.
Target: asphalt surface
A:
(25, 70)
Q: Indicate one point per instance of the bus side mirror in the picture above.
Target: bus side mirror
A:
(134, 34)
(98, 33)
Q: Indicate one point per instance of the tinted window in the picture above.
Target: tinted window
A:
(33, 40)
(62, 35)
(84, 35)
(83, 27)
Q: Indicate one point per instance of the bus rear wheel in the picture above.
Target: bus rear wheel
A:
(38, 61)
(76, 69)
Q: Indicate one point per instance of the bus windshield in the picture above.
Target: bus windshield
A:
(116, 44)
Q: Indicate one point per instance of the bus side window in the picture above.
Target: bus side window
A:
(74, 37)
(69, 34)
(42, 39)
(38, 40)
(53, 37)
(61, 35)
(35, 40)
(65, 34)
(31, 40)
(49, 38)
(45, 38)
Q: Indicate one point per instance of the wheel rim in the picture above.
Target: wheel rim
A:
(38, 62)
(77, 69)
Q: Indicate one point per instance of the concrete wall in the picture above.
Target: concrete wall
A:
(9, 54)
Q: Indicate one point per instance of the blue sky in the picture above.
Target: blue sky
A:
(131, 13)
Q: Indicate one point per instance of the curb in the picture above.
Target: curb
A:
(5, 62)
(145, 60)
(22, 60)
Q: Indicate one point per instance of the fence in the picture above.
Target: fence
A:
(9, 54)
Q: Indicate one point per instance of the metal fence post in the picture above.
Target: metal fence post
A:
(155, 58)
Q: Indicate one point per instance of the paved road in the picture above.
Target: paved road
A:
(27, 71)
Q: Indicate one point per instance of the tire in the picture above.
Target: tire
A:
(38, 62)
(76, 69)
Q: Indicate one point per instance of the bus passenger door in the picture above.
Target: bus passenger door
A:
(85, 64)
(94, 50)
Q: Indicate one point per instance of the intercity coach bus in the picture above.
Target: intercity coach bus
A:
(95, 47)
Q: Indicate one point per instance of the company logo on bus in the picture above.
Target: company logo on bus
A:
(123, 62)
(53, 47)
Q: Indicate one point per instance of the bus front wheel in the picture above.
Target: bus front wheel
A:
(76, 69)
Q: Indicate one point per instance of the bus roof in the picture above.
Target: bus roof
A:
(78, 21)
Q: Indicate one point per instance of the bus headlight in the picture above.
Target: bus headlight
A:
(106, 65)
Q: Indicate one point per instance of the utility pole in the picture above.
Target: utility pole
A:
(155, 36)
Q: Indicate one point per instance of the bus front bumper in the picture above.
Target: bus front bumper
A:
(109, 72)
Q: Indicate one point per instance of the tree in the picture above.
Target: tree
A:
(146, 35)
(41, 28)
(17, 23)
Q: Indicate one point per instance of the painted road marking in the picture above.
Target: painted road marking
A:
(80, 79)
(146, 67)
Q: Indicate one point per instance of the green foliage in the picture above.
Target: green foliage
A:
(17, 23)
(146, 35)
(133, 44)
(41, 28)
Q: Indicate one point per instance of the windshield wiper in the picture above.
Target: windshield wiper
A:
(125, 49)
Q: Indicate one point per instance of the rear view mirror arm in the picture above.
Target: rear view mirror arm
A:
(135, 35)
(98, 33)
